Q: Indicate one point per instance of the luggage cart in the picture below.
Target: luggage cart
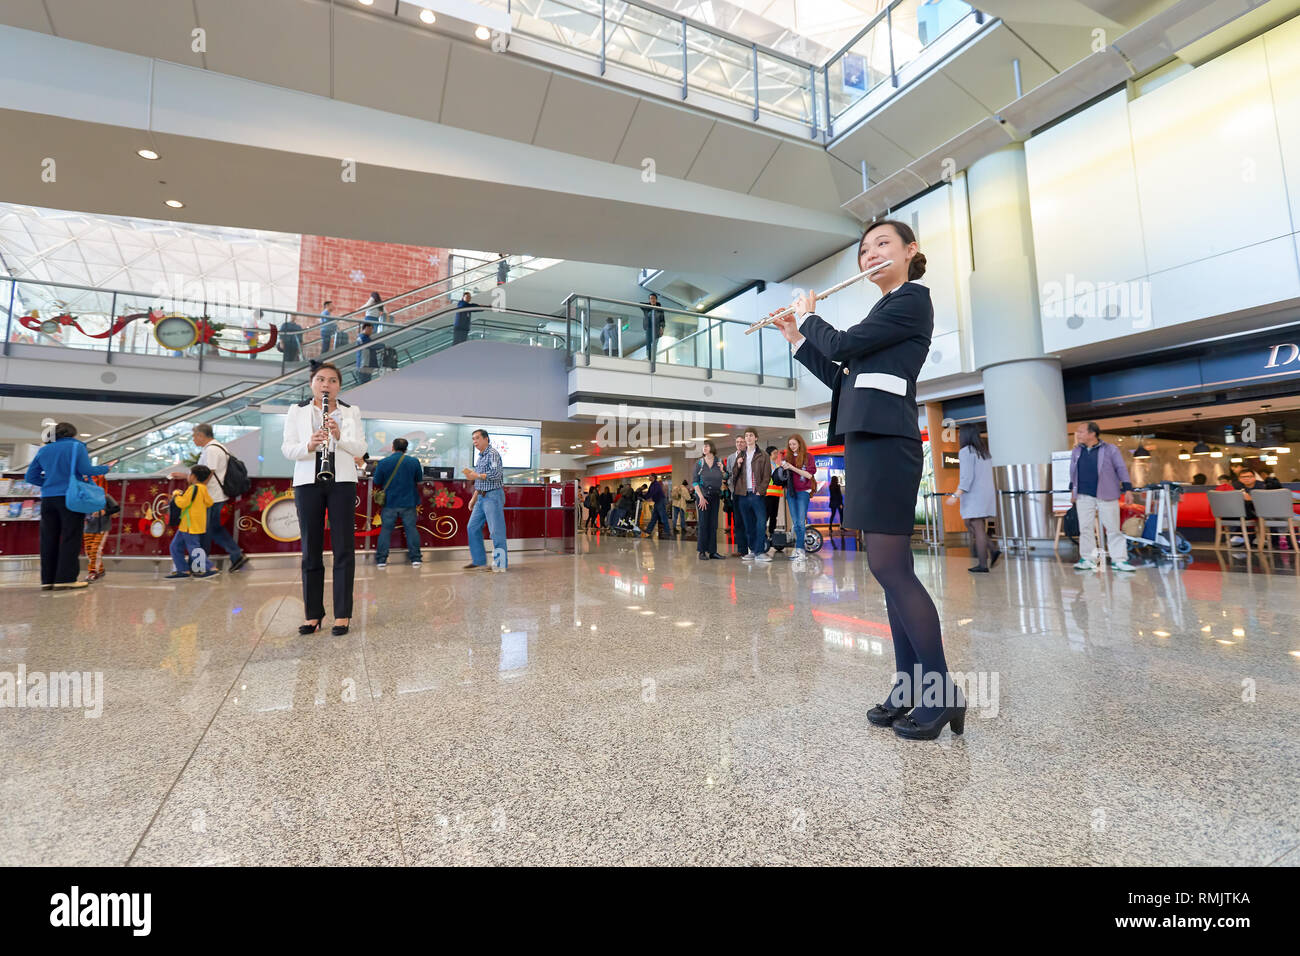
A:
(1160, 535)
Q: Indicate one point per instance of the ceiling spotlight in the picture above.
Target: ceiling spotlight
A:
(365, 3)
(147, 154)
(483, 33)
(427, 16)
(175, 204)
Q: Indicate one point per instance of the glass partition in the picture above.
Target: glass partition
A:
(785, 88)
(719, 66)
(915, 24)
(859, 69)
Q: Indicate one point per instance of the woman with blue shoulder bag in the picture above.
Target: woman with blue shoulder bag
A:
(61, 470)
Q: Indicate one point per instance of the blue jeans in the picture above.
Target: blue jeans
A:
(489, 508)
(388, 519)
(679, 515)
(217, 534)
(185, 544)
(657, 516)
(797, 502)
(753, 509)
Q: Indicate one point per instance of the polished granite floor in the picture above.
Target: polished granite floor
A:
(634, 705)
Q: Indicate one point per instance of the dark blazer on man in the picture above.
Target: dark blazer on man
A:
(872, 367)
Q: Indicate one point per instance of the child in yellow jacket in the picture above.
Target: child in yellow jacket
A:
(187, 543)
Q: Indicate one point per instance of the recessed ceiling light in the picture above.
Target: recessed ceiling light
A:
(427, 16)
(147, 154)
(365, 3)
(175, 203)
(483, 33)
(85, 434)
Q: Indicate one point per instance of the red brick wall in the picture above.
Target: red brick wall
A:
(347, 270)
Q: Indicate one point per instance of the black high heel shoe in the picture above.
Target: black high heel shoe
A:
(338, 630)
(909, 729)
(883, 715)
(309, 628)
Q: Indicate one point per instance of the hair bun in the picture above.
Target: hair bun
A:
(916, 268)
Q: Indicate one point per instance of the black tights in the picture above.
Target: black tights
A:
(913, 622)
(979, 530)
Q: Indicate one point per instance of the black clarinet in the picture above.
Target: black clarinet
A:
(325, 453)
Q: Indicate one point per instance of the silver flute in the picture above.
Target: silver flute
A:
(822, 295)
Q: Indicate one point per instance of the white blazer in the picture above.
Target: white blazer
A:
(302, 420)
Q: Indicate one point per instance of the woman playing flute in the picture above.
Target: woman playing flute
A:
(871, 370)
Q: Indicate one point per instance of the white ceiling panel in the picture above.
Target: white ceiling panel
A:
(799, 175)
(930, 112)
(388, 65)
(584, 118)
(671, 137)
(1061, 46)
(732, 157)
(25, 14)
(985, 69)
(493, 94)
(284, 43)
(882, 154)
(848, 181)
(158, 28)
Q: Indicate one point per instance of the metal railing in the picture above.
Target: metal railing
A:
(699, 57)
(301, 336)
(617, 328)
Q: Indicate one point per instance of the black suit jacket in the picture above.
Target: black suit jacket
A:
(866, 366)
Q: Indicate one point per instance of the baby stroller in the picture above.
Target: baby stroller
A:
(625, 527)
(1154, 533)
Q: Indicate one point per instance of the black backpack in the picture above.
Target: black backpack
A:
(236, 482)
(390, 357)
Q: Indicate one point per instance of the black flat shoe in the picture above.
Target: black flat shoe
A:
(994, 562)
(909, 729)
(338, 630)
(309, 628)
(703, 556)
(978, 569)
(717, 557)
(883, 715)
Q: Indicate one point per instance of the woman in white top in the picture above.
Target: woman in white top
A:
(325, 480)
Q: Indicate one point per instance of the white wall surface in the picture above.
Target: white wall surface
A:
(1187, 199)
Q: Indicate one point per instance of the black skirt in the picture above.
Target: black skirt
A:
(882, 474)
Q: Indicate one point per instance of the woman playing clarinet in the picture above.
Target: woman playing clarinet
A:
(322, 437)
(871, 370)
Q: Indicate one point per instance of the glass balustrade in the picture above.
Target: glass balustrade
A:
(620, 329)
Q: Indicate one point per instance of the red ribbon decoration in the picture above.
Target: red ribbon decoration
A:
(206, 332)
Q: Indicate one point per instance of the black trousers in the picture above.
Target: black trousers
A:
(60, 541)
(773, 505)
(706, 532)
(313, 501)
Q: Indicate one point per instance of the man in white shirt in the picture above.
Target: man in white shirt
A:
(215, 457)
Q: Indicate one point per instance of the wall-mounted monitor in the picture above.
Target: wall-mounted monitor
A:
(516, 450)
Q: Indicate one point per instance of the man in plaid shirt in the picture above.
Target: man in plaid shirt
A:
(487, 506)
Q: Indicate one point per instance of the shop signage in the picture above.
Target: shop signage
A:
(818, 435)
(1289, 349)
(629, 464)
(950, 460)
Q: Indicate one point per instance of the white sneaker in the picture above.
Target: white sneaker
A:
(498, 570)
(748, 557)
(1083, 564)
(1236, 540)
(1121, 566)
(416, 564)
(381, 564)
(798, 553)
(765, 556)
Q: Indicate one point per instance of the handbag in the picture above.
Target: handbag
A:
(380, 495)
(85, 497)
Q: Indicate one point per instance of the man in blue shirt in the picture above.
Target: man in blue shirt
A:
(365, 358)
(658, 513)
(398, 476)
(328, 328)
(488, 505)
